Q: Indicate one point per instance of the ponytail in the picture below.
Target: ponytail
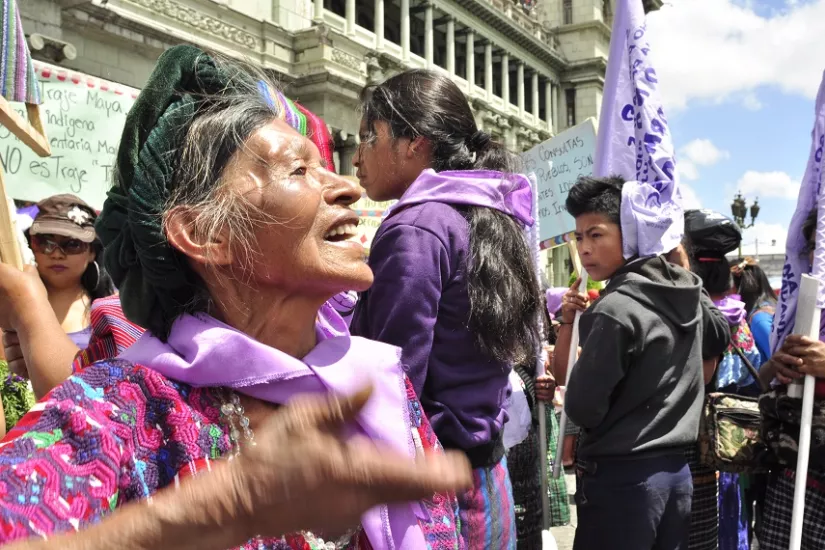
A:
(502, 286)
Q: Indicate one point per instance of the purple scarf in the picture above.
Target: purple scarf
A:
(203, 352)
(508, 193)
(732, 308)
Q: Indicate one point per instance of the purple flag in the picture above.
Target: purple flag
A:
(634, 140)
(811, 196)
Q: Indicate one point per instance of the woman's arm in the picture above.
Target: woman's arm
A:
(410, 267)
(37, 347)
(300, 476)
(200, 515)
(40, 350)
(561, 354)
(2, 420)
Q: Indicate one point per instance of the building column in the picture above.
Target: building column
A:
(349, 13)
(470, 55)
(548, 104)
(319, 10)
(405, 30)
(505, 79)
(488, 69)
(428, 35)
(451, 46)
(520, 88)
(535, 93)
(379, 25)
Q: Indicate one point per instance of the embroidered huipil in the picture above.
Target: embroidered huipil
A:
(116, 432)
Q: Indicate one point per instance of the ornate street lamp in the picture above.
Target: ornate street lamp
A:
(739, 209)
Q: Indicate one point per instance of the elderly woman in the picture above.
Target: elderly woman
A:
(225, 249)
(44, 354)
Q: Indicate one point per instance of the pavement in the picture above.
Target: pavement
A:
(564, 535)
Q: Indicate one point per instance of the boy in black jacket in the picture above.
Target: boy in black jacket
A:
(637, 388)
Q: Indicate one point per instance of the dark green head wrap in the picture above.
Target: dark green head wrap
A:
(154, 281)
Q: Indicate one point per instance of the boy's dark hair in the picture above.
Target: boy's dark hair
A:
(596, 196)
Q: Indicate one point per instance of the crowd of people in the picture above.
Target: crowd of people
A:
(207, 376)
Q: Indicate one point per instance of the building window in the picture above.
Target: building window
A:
(607, 12)
(570, 97)
(542, 100)
(338, 7)
(567, 10)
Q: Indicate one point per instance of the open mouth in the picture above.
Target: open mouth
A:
(342, 232)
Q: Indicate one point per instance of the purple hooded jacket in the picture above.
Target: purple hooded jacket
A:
(419, 300)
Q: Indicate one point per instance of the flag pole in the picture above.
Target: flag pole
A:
(571, 361)
(535, 240)
(806, 324)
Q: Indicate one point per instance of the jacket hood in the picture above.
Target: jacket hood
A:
(662, 287)
(508, 193)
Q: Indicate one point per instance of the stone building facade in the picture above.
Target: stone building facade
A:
(527, 74)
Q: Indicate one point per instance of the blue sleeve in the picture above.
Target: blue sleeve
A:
(761, 327)
(410, 266)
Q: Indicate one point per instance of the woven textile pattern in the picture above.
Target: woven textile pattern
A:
(111, 333)
(18, 80)
(487, 511)
(704, 510)
(114, 433)
(775, 532)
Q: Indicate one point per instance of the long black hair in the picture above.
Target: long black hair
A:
(96, 280)
(501, 278)
(714, 270)
(752, 285)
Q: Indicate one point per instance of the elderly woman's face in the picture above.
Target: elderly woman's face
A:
(307, 243)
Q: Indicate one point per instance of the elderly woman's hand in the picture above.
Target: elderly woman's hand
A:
(304, 472)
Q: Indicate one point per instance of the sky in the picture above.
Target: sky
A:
(739, 78)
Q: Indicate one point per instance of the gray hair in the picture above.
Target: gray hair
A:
(222, 126)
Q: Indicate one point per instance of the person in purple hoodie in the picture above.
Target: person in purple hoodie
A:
(455, 286)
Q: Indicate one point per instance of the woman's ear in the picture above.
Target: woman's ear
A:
(183, 234)
(418, 146)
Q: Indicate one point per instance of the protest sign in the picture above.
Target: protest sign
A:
(557, 164)
(83, 118)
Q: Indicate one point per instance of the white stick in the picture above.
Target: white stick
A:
(545, 497)
(571, 360)
(807, 324)
(542, 435)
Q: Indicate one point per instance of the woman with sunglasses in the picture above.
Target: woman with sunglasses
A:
(66, 249)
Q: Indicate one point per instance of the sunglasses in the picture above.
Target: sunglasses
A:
(48, 244)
